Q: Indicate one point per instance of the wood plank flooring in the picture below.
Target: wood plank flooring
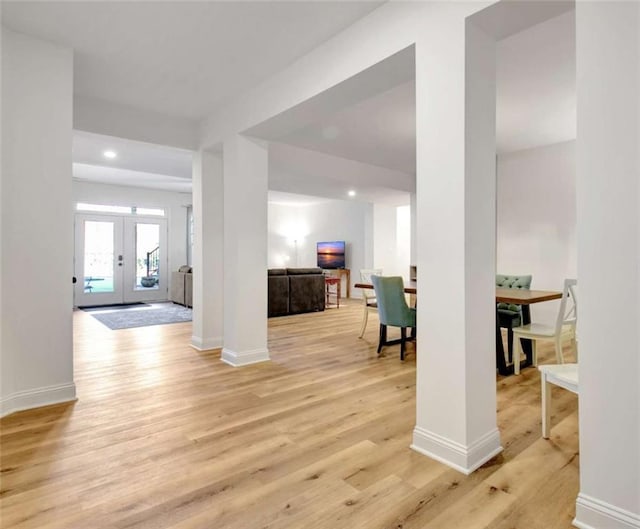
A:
(163, 436)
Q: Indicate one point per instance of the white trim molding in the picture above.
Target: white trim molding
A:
(206, 344)
(35, 398)
(237, 359)
(463, 458)
(592, 513)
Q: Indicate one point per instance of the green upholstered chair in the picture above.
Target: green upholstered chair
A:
(510, 315)
(393, 310)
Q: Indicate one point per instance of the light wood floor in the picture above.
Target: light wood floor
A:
(163, 436)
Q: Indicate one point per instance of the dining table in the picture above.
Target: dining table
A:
(523, 297)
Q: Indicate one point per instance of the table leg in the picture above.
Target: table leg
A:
(527, 345)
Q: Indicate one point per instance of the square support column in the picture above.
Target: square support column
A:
(245, 251)
(608, 237)
(207, 251)
(455, 147)
(36, 241)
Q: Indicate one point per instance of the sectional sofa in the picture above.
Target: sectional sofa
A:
(295, 290)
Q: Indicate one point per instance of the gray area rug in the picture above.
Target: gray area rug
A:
(156, 314)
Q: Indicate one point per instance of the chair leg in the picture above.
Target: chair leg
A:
(559, 355)
(534, 353)
(365, 319)
(383, 337)
(510, 344)
(403, 341)
(412, 335)
(546, 406)
(516, 355)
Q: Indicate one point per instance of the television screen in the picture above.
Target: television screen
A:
(331, 254)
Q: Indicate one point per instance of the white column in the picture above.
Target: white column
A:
(608, 236)
(456, 369)
(208, 251)
(245, 251)
(36, 351)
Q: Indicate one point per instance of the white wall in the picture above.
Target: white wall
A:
(391, 239)
(333, 220)
(536, 221)
(173, 203)
(37, 238)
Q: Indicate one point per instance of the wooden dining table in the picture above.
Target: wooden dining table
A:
(521, 297)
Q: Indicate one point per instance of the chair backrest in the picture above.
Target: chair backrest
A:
(365, 277)
(392, 305)
(505, 281)
(568, 313)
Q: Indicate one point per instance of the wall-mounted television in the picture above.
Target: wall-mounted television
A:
(331, 254)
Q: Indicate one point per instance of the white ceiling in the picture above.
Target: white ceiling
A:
(184, 58)
(180, 58)
(294, 199)
(380, 131)
(88, 148)
(536, 85)
(296, 170)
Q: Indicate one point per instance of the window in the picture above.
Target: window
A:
(123, 210)
(149, 211)
(102, 209)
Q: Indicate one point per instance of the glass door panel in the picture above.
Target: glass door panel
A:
(99, 256)
(99, 260)
(147, 256)
(145, 241)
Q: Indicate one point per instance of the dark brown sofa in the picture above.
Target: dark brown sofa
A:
(295, 290)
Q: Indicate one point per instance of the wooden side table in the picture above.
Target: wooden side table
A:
(339, 272)
(329, 282)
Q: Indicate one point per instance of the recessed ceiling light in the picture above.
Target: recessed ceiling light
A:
(352, 193)
(109, 154)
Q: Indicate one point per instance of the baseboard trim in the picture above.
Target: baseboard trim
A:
(237, 359)
(592, 513)
(36, 398)
(462, 458)
(206, 344)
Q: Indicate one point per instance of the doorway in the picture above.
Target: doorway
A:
(119, 259)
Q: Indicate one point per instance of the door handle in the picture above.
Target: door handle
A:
(119, 258)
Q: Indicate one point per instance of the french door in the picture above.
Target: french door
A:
(119, 259)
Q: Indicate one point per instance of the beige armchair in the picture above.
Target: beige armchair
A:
(182, 286)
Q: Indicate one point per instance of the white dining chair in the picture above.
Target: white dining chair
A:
(562, 375)
(368, 296)
(564, 328)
